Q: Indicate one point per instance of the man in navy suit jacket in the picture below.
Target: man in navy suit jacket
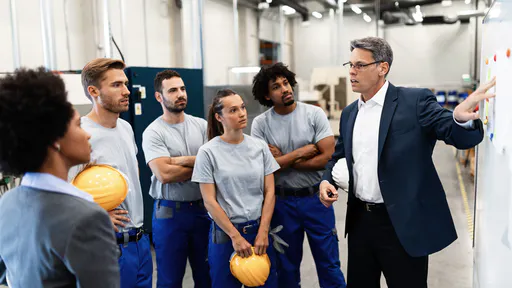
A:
(397, 213)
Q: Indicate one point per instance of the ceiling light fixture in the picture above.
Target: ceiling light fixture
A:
(356, 9)
(367, 18)
(317, 15)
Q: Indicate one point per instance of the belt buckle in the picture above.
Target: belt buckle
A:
(244, 229)
(367, 206)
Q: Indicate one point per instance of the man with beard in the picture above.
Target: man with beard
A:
(300, 138)
(180, 221)
(113, 143)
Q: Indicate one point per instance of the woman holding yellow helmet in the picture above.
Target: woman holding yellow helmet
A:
(235, 172)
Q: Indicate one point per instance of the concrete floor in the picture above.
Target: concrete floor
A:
(450, 268)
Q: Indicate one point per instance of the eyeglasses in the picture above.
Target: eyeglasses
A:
(359, 66)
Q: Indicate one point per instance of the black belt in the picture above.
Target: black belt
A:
(297, 192)
(370, 207)
(179, 204)
(131, 238)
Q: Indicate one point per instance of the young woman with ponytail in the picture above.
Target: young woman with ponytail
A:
(235, 173)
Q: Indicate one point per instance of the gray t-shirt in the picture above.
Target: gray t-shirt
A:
(238, 172)
(307, 124)
(116, 147)
(161, 139)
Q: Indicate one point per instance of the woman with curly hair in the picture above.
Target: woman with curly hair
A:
(53, 235)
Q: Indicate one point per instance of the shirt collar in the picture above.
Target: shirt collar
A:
(50, 183)
(377, 98)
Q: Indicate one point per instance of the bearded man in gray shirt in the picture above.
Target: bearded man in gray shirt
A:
(180, 222)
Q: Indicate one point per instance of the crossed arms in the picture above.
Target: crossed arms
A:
(172, 169)
(307, 158)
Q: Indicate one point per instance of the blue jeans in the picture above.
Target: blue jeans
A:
(135, 262)
(307, 214)
(180, 231)
(220, 254)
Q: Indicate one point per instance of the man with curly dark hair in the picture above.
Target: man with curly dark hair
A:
(52, 233)
(300, 138)
(113, 143)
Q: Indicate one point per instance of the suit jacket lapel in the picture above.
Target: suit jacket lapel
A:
(388, 110)
(350, 130)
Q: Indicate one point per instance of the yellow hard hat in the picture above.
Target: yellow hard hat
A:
(107, 186)
(252, 271)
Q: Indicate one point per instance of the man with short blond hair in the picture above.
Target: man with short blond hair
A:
(113, 143)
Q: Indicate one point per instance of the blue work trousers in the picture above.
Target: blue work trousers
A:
(180, 232)
(307, 214)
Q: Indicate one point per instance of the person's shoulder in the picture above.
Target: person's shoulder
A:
(311, 109)
(85, 213)
(350, 107)
(90, 209)
(154, 126)
(123, 123)
(210, 145)
(125, 126)
(87, 123)
(263, 115)
(9, 198)
(255, 141)
(412, 92)
(196, 120)
(262, 120)
(308, 107)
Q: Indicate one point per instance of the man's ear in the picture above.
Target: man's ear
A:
(158, 97)
(384, 69)
(93, 91)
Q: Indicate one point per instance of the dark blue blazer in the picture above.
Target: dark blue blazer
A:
(411, 123)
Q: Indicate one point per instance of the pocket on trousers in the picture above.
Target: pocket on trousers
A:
(164, 212)
(218, 236)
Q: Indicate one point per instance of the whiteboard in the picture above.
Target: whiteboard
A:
(493, 214)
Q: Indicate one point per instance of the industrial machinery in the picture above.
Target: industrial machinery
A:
(330, 89)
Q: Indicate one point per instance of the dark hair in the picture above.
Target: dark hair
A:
(215, 127)
(94, 71)
(164, 75)
(34, 113)
(381, 51)
(267, 74)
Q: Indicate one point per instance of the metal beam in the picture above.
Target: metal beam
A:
(15, 39)
(303, 11)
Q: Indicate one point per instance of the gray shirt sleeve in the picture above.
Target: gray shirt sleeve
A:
(256, 129)
(153, 146)
(322, 125)
(205, 125)
(203, 168)
(92, 253)
(270, 162)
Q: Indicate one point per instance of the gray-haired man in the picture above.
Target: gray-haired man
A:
(397, 212)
